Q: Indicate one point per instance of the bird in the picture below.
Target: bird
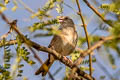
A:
(64, 43)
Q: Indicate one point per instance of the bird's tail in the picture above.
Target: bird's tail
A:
(44, 68)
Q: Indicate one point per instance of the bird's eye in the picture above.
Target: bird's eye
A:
(66, 17)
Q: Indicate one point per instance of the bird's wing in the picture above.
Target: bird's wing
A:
(56, 43)
(75, 38)
(53, 41)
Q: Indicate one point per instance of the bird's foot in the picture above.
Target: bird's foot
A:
(67, 59)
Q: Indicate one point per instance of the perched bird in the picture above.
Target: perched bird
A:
(63, 43)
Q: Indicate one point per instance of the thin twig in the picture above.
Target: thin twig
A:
(86, 34)
(26, 6)
(97, 13)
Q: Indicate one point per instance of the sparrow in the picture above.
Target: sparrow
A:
(63, 43)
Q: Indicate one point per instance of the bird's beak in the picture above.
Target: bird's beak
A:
(61, 19)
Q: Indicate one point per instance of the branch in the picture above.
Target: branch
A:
(86, 34)
(26, 6)
(83, 53)
(97, 13)
(11, 42)
(48, 50)
(98, 44)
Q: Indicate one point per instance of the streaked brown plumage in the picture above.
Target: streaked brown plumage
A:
(63, 43)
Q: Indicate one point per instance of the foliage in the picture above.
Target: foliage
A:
(41, 25)
(4, 70)
(113, 7)
(23, 52)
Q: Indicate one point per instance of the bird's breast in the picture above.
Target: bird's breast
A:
(68, 36)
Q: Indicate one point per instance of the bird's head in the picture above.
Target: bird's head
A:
(65, 20)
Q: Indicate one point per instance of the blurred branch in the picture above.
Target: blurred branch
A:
(97, 45)
(42, 35)
(26, 7)
(97, 13)
(57, 71)
(69, 6)
(45, 49)
(86, 34)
